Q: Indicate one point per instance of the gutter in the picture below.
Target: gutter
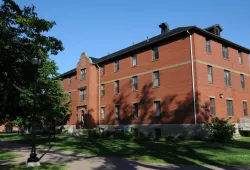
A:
(192, 67)
(99, 95)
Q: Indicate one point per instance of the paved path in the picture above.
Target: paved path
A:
(79, 161)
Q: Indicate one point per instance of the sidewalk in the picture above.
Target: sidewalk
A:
(79, 161)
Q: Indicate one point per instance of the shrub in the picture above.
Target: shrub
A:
(64, 131)
(169, 138)
(128, 135)
(219, 130)
(85, 132)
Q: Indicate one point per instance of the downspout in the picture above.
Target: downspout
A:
(99, 96)
(192, 67)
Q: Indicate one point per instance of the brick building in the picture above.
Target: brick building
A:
(170, 83)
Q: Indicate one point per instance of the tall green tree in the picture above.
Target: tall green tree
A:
(22, 38)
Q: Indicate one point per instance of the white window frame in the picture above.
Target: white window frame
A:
(134, 84)
(134, 60)
(83, 74)
(157, 112)
(242, 81)
(102, 90)
(155, 53)
(135, 113)
(117, 114)
(208, 45)
(227, 78)
(210, 74)
(156, 81)
(102, 113)
(225, 53)
(212, 105)
(240, 57)
(117, 65)
(245, 110)
(117, 86)
(227, 102)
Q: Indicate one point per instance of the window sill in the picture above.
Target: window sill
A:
(227, 59)
(116, 94)
(209, 53)
(116, 71)
(228, 86)
(134, 90)
(133, 66)
(82, 79)
(155, 60)
(156, 87)
(135, 118)
(210, 82)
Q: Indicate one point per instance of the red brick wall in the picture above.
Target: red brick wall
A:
(174, 92)
(218, 86)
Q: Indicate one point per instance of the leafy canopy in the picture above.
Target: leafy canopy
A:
(22, 38)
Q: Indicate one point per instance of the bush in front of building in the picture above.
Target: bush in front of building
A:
(219, 130)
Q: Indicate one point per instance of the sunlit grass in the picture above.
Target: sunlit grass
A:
(176, 151)
(44, 166)
(6, 155)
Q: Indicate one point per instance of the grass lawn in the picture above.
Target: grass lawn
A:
(23, 166)
(6, 155)
(176, 152)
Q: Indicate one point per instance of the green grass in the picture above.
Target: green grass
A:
(6, 155)
(44, 166)
(175, 152)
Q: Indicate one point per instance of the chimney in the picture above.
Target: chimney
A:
(164, 28)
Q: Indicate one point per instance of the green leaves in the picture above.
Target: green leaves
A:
(22, 38)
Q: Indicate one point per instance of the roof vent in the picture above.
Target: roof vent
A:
(214, 29)
(164, 28)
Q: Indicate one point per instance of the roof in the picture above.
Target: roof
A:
(68, 72)
(213, 26)
(158, 38)
(145, 43)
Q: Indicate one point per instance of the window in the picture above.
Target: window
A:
(227, 78)
(102, 112)
(240, 57)
(242, 81)
(225, 52)
(135, 110)
(134, 83)
(134, 60)
(70, 80)
(117, 87)
(245, 108)
(116, 65)
(117, 111)
(230, 108)
(155, 53)
(83, 74)
(156, 79)
(210, 74)
(70, 96)
(157, 108)
(102, 70)
(102, 90)
(83, 94)
(208, 46)
(212, 106)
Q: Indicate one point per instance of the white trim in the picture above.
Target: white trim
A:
(212, 97)
(229, 99)
(244, 100)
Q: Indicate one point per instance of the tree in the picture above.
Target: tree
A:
(22, 38)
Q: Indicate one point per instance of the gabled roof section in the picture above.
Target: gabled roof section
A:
(214, 26)
(94, 60)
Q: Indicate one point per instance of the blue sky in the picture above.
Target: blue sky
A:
(102, 27)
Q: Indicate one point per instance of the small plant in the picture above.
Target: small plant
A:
(220, 130)
(128, 135)
(64, 131)
(169, 138)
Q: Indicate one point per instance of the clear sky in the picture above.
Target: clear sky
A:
(98, 27)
